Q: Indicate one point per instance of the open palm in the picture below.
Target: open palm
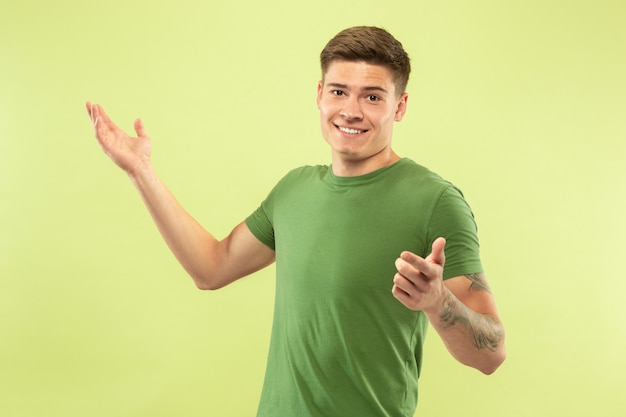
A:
(128, 152)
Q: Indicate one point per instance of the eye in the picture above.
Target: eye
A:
(373, 98)
(337, 92)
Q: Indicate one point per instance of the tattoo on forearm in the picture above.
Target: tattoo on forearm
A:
(485, 330)
(479, 283)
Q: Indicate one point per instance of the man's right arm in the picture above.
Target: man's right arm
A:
(212, 263)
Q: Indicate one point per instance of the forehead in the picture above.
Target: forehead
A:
(359, 75)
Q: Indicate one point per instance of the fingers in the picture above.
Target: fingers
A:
(402, 295)
(413, 293)
(437, 255)
(419, 280)
(90, 111)
(412, 266)
(415, 268)
(139, 128)
(95, 114)
(104, 127)
(102, 123)
(102, 117)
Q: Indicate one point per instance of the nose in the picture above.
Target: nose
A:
(351, 109)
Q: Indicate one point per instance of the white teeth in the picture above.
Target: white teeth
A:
(350, 131)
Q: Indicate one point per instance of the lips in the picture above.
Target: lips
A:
(350, 131)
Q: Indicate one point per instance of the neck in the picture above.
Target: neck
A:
(346, 167)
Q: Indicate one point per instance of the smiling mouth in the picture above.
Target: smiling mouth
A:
(350, 131)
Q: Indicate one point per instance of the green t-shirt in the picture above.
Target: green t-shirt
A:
(341, 344)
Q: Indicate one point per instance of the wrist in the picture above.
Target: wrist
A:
(142, 173)
(142, 169)
(438, 307)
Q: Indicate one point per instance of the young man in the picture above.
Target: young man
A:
(358, 245)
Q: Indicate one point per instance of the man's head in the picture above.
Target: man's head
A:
(372, 45)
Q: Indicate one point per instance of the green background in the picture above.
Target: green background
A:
(522, 104)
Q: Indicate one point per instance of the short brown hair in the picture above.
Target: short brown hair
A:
(372, 45)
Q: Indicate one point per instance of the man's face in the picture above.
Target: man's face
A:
(358, 106)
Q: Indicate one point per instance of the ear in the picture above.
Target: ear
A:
(401, 107)
(320, 90)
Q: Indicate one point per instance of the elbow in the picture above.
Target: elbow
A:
(207, 283)
(496, 357)
(494, 363)
(204, 286)
(207, 279)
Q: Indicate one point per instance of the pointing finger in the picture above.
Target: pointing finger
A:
(412, 266)
(438, 255)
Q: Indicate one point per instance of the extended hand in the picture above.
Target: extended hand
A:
(129, 153)
(419, 282)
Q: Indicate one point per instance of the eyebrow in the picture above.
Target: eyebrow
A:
(365, 89)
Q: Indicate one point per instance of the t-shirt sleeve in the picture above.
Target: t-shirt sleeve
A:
(261, 226)
(453, 219)
(261, 221)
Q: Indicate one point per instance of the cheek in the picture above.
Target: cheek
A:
(323, 107)
(381, 119)
(327, 112)
(323, 120)
(322, 110)
(390, 117)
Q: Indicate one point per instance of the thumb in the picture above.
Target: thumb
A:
(438, 255)
(139, 128)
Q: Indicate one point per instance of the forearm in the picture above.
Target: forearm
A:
(474, 339)
(195, 248)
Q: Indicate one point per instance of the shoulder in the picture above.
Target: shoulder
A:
(304, 173)
(409, 169)
(420, 179)
(298, 176)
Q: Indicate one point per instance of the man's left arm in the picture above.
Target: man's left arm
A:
(461, 309)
